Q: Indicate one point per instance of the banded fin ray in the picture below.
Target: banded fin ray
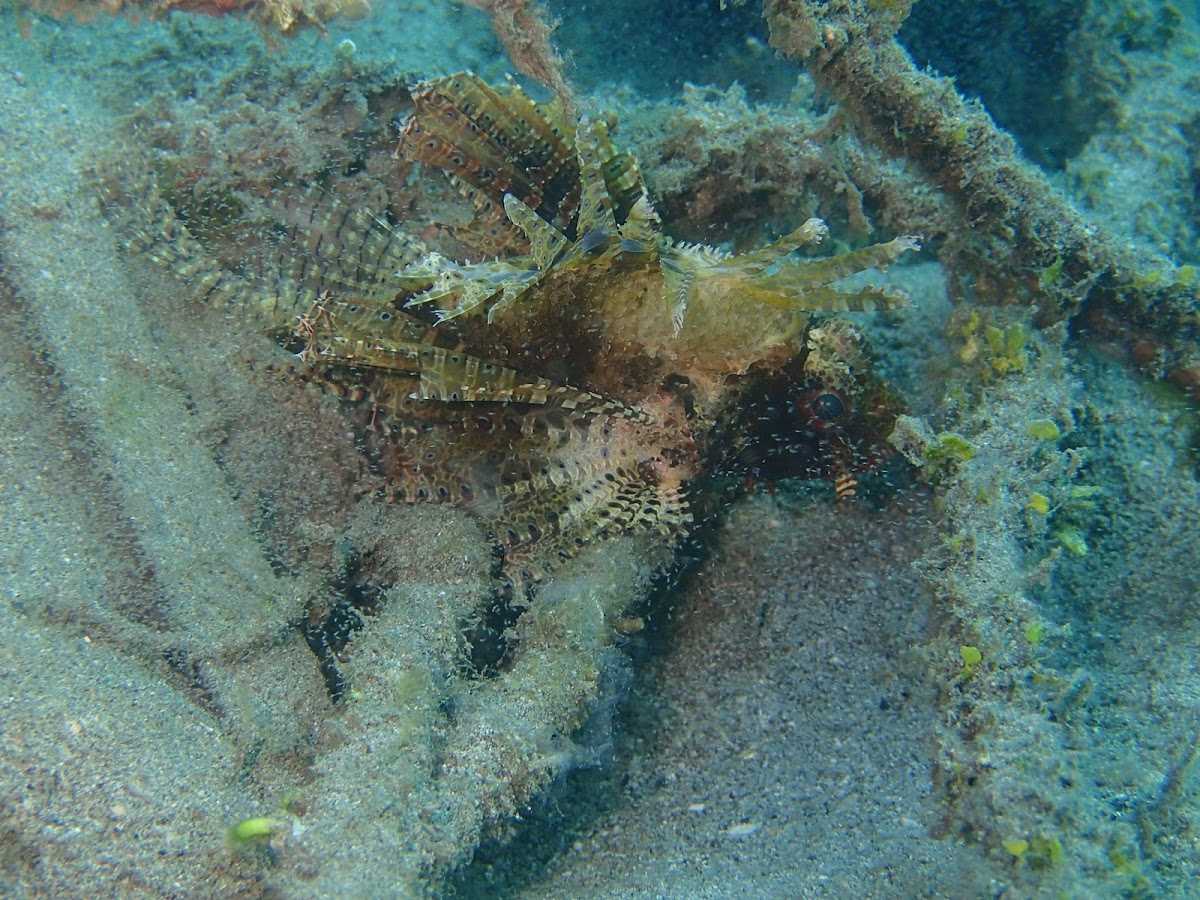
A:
(827, 269)
(495, 139)
(597, 221)
(457, 377)
(546, 243)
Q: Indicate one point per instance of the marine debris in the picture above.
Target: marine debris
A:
(522, 27)
(1033, 445)
(1027, 239)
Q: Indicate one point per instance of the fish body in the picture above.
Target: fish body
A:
(582, 372)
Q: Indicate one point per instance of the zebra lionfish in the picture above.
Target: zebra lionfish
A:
(585, 372)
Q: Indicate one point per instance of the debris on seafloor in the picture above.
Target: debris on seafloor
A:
(1027, 239)
(1038, 432)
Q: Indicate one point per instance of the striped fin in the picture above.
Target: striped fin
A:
(148, 224)
(360, 334)
(846, 485)
(597, 222)
(322, 345)
(490, 233)
(622, 175)
(329, 245)
(297, 246)
(678, 276)
(302, 242)
(457, 377)
(639, 231)
(795, 293)
(546, 243)
(456, 289)
(495, 139)
(833, 268)
(589, 488)
(353, 316)
(450, 127)
(811, 232)
(368, 353)
(805, 285)
(555, 171)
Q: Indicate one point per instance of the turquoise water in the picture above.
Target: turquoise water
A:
(233, 668)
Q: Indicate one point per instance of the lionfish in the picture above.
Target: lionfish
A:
(586, 371)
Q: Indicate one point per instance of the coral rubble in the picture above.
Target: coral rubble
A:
(1023, 481)
(1022, 226)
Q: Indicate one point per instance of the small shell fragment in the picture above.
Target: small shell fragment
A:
(742, 830)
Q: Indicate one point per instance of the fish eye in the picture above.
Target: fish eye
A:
(824, 410)
(827, 406)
